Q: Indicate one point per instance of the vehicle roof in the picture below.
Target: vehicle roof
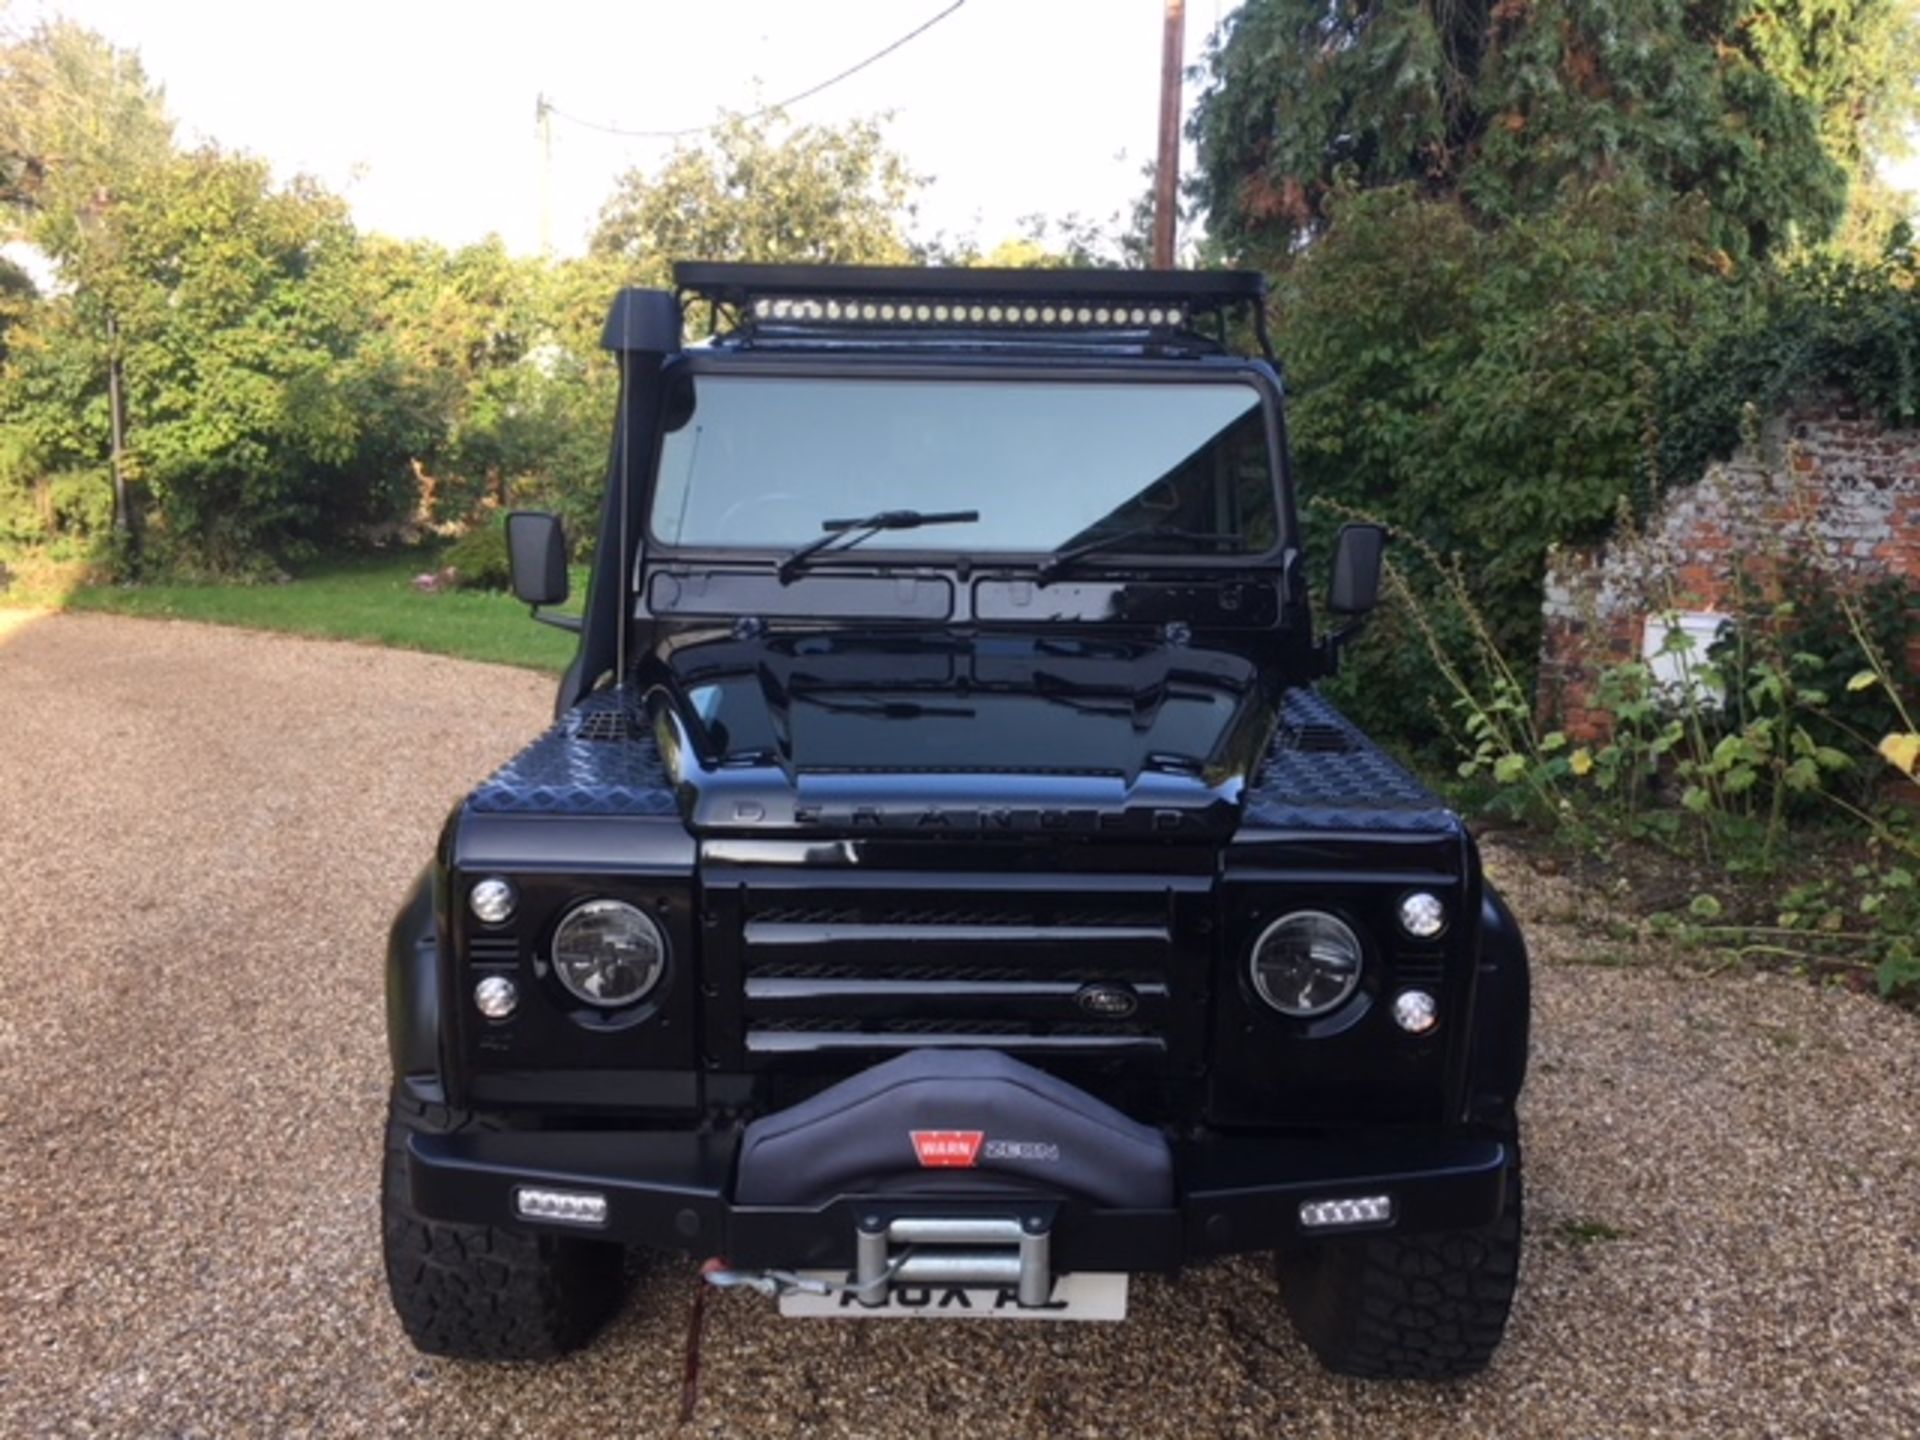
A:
(741, 284)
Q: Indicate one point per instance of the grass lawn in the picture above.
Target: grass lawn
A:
(369, 598)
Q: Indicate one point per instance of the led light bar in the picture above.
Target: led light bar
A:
(564, 1207)
(1341, 1214)
(971, 313)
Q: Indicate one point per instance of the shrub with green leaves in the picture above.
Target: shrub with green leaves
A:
(479, 557)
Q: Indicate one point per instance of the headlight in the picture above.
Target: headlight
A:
(607, 952)
(1306, 963)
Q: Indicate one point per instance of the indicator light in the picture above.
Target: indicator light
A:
(564, 1207)
(1338, 1214)
(496, 997)
(1422, 915)
(491, 901)
(1415, 1011)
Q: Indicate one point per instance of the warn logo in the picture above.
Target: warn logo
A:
(958, 1148)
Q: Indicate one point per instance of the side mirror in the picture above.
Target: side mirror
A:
(537, 557)
(1356, 569)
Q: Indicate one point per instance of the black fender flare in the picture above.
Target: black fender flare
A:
(1503, 1010)
(413, 985)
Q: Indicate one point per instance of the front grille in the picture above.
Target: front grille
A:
(853, 966)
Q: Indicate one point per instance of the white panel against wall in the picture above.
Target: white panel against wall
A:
(1675, 646)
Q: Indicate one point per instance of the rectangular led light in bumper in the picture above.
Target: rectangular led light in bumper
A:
(563, 1207)
(1338, 1214)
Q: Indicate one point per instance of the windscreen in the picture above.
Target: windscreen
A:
(764, 461)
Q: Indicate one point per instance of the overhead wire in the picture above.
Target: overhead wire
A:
(764, 110)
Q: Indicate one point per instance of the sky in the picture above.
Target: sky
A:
(421, 113)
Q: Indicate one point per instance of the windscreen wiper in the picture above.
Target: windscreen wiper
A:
(855, 532)
(1061, 559)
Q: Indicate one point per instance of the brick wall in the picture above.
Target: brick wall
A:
(1823, 483)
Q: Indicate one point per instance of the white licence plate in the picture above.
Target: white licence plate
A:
(1082, 1296)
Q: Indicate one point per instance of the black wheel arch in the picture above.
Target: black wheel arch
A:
(1503, 1010)
(413, 986)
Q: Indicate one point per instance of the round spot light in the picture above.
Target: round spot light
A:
(496, 997)
(1423, 915)
(492, 901)
(1415, 1011)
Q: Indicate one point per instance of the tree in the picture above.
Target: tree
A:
(75, 112)
(259, 423)
(1489, 391)
(1517, 245)
(1042, 242)
(758, 190)
(1764, 109)
(237, 304)
(505, 356)
(17, 298)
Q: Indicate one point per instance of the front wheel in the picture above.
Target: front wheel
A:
(1408, 1307)
(481, 1292)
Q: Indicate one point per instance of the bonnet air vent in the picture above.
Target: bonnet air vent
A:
(1314, 738)
(603, 725)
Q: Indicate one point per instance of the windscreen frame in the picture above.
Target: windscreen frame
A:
(929, 554)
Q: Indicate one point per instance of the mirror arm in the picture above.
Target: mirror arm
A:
(556, 618)
(1334, 645)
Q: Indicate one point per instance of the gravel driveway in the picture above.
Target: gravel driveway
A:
(202, 835)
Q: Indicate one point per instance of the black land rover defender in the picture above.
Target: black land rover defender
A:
(942, 887)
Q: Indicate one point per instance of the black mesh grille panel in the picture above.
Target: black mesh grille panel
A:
(982, 910)
(1073, 966)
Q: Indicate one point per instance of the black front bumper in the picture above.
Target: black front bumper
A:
(670, 1190)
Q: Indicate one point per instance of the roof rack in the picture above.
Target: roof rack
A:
(1122, 306)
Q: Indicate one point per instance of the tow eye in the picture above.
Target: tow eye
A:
(717, 1273)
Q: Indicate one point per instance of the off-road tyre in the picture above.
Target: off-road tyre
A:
(478, 1292)
(1407, 1307)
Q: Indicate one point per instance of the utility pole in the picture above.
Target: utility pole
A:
(543, 118)
(1166, 173)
